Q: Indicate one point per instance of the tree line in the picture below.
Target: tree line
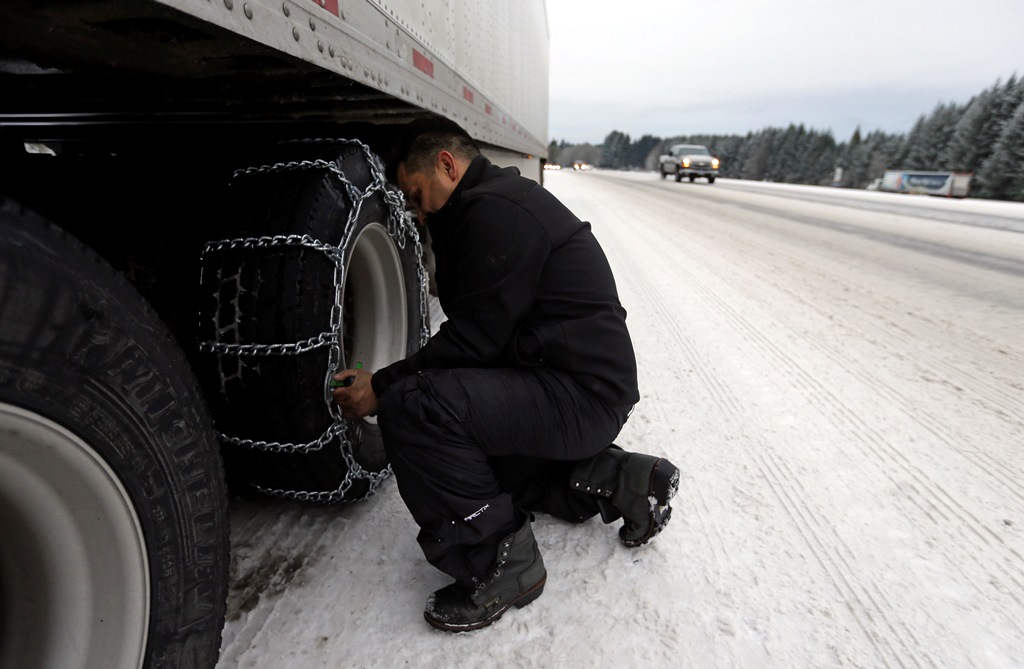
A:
(984, 136)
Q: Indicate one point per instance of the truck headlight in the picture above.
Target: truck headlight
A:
(714, 163)
(686, 162)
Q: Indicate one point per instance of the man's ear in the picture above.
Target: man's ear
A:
(448, 166)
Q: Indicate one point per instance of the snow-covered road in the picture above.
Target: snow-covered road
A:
(841, 382)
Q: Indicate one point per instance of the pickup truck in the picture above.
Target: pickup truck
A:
(689, 160)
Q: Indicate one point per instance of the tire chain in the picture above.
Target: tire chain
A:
(401, 228)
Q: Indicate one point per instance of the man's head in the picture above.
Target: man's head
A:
(428, 160)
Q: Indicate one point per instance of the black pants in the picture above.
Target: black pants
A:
(472, 449)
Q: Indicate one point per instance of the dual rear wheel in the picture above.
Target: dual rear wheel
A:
(114, 540)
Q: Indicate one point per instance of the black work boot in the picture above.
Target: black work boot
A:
(633, 486)
(518, 578)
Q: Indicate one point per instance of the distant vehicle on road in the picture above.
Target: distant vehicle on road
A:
(690, 161)
(947, 184)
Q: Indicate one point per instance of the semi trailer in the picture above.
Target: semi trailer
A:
(195, 233)
(945, 184)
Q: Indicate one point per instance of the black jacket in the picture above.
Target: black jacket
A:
(522, 282)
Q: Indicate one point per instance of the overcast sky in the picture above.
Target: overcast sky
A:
(682, 67)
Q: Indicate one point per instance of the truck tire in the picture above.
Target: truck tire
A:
(679, 177)
(113, 507)
(711, 180)
(661, 171)
(354, 291)
(692, 178)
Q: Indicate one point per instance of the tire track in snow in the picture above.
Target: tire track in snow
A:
(945, 505)
(938, 501)
(653, 302)
(870, 606)
(260, 576)
(984, 389)
(987, 392)
(998, 402)
(831, 555)
(929, 496)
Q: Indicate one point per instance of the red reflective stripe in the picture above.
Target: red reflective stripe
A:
(466, 93)
(487, 107)
(423, 63)
(329, 5)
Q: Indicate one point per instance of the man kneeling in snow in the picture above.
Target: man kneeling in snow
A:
(512, 406)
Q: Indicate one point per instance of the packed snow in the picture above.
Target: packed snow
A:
(841, 382)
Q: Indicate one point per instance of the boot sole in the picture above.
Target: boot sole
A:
(519, 602)
(664, 486)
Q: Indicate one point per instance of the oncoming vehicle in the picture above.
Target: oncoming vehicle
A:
(690, 161)
(195, 233)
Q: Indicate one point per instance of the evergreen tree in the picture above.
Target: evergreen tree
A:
(942, 128)
(1002, 175)
(883, 152)
(822, 154)
(614, 150)
(639, 151)
(1005, 99)
(910, 146)
(654, 155)
(728, 150)
(930, 137)
(554, 153)
(786, 162)
(755, 166)
(964, 151)
(587, 153)
(735, 167)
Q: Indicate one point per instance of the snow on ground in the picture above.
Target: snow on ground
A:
(842, 388)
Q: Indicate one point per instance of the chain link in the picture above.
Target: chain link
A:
(402, 230)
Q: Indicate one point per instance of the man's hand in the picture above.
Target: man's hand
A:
(356, 400)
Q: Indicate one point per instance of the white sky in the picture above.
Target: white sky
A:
(728, 67)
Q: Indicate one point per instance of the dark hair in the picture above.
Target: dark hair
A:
(419, 142)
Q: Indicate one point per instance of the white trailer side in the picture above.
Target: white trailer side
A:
(483, 64)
